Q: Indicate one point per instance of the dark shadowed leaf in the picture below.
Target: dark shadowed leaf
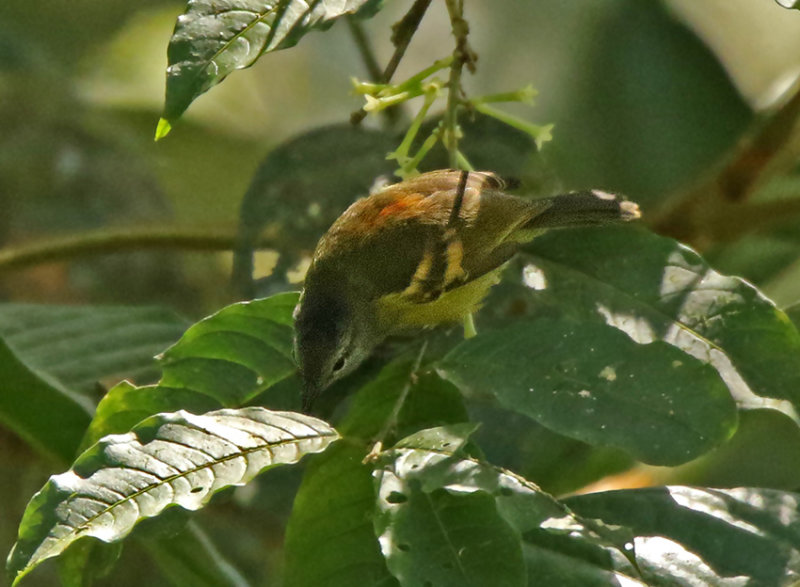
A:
(592, 382)
(81, 345)
(192, 558)
(213, 39)
(329, 538)
(653, 288)
(40, 410)
(706, 536)
(125, 405)
(167, 460)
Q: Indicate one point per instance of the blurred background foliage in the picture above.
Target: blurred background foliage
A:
(646, 97)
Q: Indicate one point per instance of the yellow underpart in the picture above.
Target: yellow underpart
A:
(396, 312)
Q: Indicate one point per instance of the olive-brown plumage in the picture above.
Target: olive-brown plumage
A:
(418, 253)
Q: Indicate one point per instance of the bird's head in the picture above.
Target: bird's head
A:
(333, 336)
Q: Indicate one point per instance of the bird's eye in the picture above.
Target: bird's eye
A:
(338, 365)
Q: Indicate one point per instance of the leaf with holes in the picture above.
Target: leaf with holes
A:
(445, 518)
(654, 288)
(593, 383)
(706, 536)
(213, 38)
(169, 459)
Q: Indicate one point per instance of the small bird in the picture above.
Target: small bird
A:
(418, 253)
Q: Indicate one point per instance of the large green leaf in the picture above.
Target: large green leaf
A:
(706, 536)
(591, 382)
(49, 417)
(654, 288)
(214, 38)
(436, 500)
(81, 345)
(336, 501)
(235, 353)
(170, 459)
(329, 538)
(224, 360)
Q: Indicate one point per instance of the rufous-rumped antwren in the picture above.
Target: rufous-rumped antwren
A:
(418, 253)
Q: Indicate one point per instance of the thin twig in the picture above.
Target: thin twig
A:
(391, 420)
(462, 55)
(402, 33)
(709, 207)
(117, 240)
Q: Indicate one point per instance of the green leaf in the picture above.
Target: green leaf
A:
(192, 558)
(426, 475)
(81, 345)
(329, 538)
(167, 460)
(40, 410)
(654, 288)
(125, 405)
(592, 382)
(212, 39)
(793, 312)
(336, 501)
(224, 360)
(425, 400)
(235, 353)
(706, 536)
(789, 3)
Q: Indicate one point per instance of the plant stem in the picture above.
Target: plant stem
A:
(462, 55)
(115, 240)
(391, 420)
(402, 32)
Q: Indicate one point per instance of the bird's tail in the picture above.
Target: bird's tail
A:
(585, 208)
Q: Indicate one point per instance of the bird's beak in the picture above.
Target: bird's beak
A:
(310, 394)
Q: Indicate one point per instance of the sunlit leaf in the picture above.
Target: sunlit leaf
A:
(706, 536)
(170, 459)
(214, 38)
(433, 498)
(593, 383)
(789, 3)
